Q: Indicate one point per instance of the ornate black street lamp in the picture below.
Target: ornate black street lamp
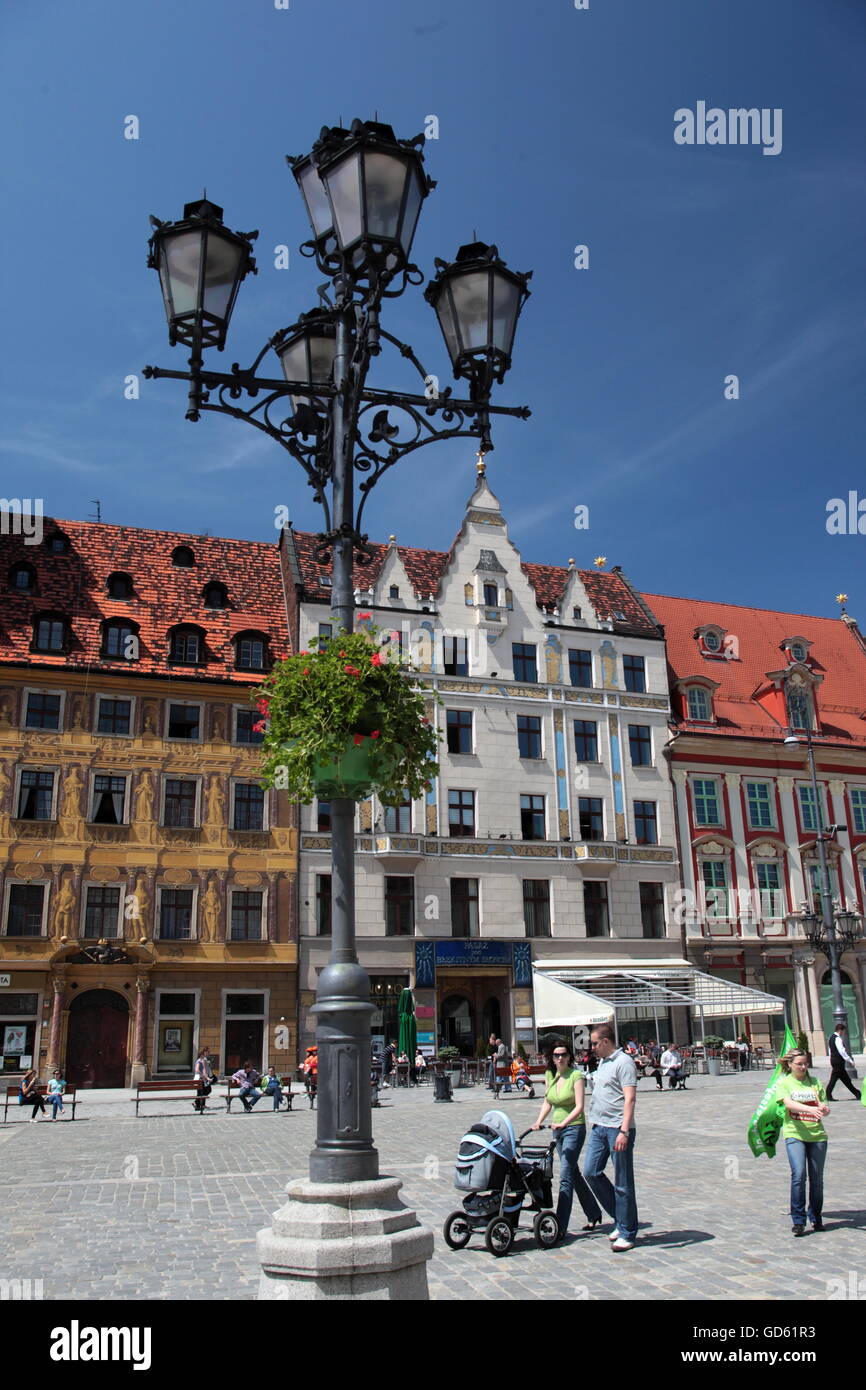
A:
(363, 190)
(831, 931)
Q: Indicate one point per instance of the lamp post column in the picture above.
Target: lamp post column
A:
(833, 953)
(344, 1149)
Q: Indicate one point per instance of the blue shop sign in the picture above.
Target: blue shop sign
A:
(471, 953)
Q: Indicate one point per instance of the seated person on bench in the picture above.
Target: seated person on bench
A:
(672, 1066)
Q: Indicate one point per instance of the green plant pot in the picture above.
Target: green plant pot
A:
(362, 768)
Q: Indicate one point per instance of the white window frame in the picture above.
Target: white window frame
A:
(699, 718)
(820, 808)
(760, 782)
(86, 885)
(7, 893)
(170, 1018)
(709, 914)
(188, 704)
(476, 835)
(764, 893)
(241, 888)
(91, 785)
(264, 1017)
(157, 925)
(720, 809)
(196, 777)
(234, 782)
(113, 695)
(528, 714)
(862, 792)
(43, 690)
(55, 791)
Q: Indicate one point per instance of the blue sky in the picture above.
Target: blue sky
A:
(555, 129)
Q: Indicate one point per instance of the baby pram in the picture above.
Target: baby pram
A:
(501, 1176)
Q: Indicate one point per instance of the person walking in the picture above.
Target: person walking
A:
(838, 1054)
(203, 1076)
(805, 1102)
(28, 1094)
(56, 1087)
(611, 1115)
(745, 1052)
(564, 1092)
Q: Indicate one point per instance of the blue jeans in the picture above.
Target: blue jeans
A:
(274, 1089)
(569, 1143)
(806, 1155)
(56, 1104)
(617, 1198)
(249, 1095)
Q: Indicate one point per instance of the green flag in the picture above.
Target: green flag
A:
(766, 1123)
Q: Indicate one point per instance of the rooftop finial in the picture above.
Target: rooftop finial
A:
(842, 599)
(600, 561)
(480, 466)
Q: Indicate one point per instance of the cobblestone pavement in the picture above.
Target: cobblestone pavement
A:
(167, 1206)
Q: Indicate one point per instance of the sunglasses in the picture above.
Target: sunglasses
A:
(560, 1054)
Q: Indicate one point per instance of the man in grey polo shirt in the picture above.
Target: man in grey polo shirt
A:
(611, 1115)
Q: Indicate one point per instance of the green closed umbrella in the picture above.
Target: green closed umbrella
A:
(408, 1029)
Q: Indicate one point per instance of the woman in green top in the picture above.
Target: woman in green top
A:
(805, 1102)
(563, 1095)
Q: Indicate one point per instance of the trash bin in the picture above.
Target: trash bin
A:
(441, 1086)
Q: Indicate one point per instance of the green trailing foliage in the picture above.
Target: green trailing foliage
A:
(348, 699)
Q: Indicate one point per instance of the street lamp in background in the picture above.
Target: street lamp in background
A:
(344, 1232)
(833, 930)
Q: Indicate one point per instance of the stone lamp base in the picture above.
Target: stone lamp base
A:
(344, 1240)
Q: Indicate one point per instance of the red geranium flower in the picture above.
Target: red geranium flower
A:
(262, 706)
(306, 670)
(351, 670)
(376, 659)
(359, 738)
(375, 733)
(259, 726)
(362, 616)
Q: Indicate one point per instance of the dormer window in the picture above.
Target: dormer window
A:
(22, 578)
(216, 596)
(251, 651)
(711, 639)
(182, 557)
(799, 702)
(119, 586)
(50, 633)
(57, 543)
(120, 641)
(186, 646)
(619, 615)
(798, 652)
(699, 703)
(325, 581)
(394, 591)
(796, 648)
(491, 596)
(576, 614)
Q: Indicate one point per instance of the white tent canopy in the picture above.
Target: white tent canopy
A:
(558, 1005)
(654, 986)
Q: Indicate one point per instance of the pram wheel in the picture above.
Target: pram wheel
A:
(458, 1230)
(545, 1228)
(499, 1236)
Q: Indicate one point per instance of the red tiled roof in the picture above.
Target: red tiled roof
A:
(163, 595)
(608, 591)
(835, 653)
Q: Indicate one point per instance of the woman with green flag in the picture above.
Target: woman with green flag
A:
(805, 1102)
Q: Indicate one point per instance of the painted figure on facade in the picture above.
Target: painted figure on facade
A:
(64, 911)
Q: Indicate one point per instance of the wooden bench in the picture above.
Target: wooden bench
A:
(502, 1077)
(12, 1099)
(233, 1090)
(165, 1090)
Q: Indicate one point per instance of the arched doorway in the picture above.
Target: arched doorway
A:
(457, 1023)
(96, 1040)
(849, 1000)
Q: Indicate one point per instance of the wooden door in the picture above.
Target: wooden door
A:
(244, 1038)
(96, 1045)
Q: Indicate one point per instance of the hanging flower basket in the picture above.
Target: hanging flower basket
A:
(345, 719)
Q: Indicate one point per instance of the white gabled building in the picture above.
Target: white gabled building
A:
(549, 831)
